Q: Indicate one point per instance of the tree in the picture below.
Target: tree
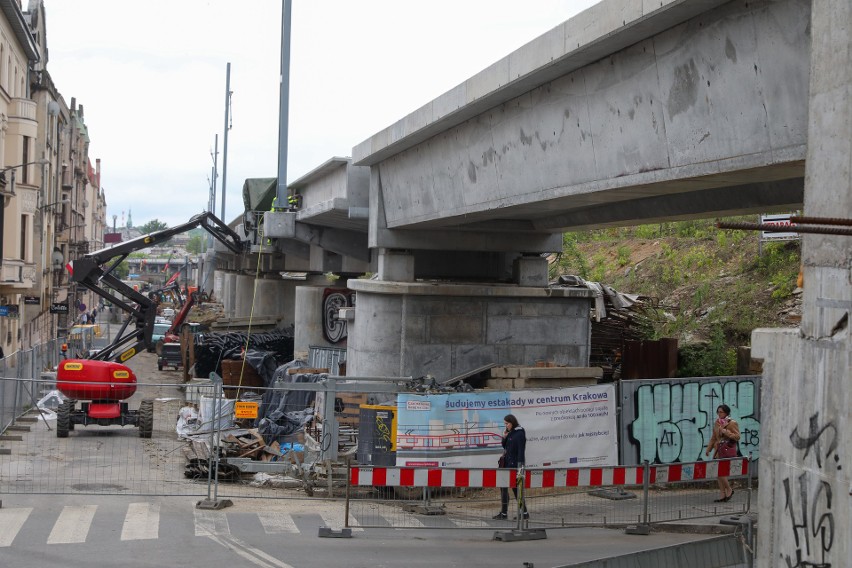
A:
(196, 245)
(154, 225)
(122, 270)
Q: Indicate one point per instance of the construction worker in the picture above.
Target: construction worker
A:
(292, 202)
(64, 349)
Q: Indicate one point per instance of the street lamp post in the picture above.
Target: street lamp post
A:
(14, 169)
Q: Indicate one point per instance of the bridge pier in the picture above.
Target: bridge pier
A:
(446, 329)
(806, 454)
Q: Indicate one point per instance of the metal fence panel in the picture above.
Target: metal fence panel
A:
(95, 459)
(554, 498)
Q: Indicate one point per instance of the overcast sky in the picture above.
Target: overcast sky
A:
(151, 79)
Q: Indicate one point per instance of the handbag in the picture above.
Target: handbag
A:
(501, 462)
(727, 449)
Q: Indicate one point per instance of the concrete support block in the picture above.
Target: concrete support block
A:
(500, 384)
(244, 295)
(229, 292)
(530, 271)
(592, 373)
(279, 224)
(553, 383)
(396, 266)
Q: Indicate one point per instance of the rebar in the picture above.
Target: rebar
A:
(801, 219)
(743, 226)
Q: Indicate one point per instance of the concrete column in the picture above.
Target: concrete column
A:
(530, 271)
(806, 448)
(396, 265)
(243, 295)
(309, 315)
(228, 291)
(275, 298)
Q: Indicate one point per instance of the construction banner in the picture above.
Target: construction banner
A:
(564, 427)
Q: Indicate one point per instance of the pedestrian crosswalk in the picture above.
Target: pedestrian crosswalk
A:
(143, 520)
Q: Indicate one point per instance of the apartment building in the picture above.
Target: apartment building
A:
(54, 208)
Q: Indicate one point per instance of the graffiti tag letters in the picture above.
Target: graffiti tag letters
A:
(808, 498)
(674, 420)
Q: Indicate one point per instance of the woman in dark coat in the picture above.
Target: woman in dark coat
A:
(514, 449)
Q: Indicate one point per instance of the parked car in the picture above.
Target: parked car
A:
(168, 313)
(160, 330)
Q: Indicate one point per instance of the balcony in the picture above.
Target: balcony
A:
(17, 275)
(24, 109)
(22, 118)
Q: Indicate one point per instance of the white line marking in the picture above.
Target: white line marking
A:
(334, 520)
(277, 523)
(11, 521)
(209, 523)
(397, 518)
(253, 555)
(72, 525)
(142, 522)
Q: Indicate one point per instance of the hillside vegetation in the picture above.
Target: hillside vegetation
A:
(711, 286)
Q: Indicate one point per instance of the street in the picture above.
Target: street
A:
(94, 531)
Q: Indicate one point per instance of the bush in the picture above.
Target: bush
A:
(711, 359)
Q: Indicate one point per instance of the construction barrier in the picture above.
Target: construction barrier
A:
(405, 497)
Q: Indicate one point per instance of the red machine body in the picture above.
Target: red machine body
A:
(100, 387)
(102, 381)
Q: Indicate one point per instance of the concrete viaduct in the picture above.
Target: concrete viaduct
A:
(634, 111)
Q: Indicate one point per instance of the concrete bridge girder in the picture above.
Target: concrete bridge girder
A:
(717, 101)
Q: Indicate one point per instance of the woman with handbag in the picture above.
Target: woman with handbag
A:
(726, 434)
(514, 450)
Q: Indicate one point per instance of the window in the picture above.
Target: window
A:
(24, 236)
(25, 171)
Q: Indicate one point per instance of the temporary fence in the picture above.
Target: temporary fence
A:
(170, 439)
(193, 445)
(59, 446)
(403, 497)
(22, 372)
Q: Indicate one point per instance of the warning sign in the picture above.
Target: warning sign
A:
(245, 409)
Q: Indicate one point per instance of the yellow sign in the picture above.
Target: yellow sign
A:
(245, 409)
(127, 354)
(73, 366)
(121, 374)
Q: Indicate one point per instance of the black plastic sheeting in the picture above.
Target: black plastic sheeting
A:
(283, 411)
(212, 348)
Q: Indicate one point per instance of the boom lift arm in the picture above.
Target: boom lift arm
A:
(95, 272)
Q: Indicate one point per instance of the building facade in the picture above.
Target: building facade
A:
(54, 206)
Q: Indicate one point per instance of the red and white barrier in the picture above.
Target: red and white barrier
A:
(534, 478)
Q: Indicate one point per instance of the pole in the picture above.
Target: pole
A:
(283, 105)
(225, 145)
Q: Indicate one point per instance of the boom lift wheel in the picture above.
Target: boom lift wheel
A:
(63, 419)
(146, 418)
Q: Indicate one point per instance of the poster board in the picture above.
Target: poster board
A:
(566, 427)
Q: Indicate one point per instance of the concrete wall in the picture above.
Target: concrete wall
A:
(445, 330)
(806, 470)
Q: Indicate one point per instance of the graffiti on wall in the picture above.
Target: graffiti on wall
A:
(333, 327)
(672, 420)
(808, 497)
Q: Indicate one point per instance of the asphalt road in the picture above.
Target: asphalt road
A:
(88, 531)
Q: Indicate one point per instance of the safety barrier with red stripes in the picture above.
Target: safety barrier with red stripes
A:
(534, 478)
